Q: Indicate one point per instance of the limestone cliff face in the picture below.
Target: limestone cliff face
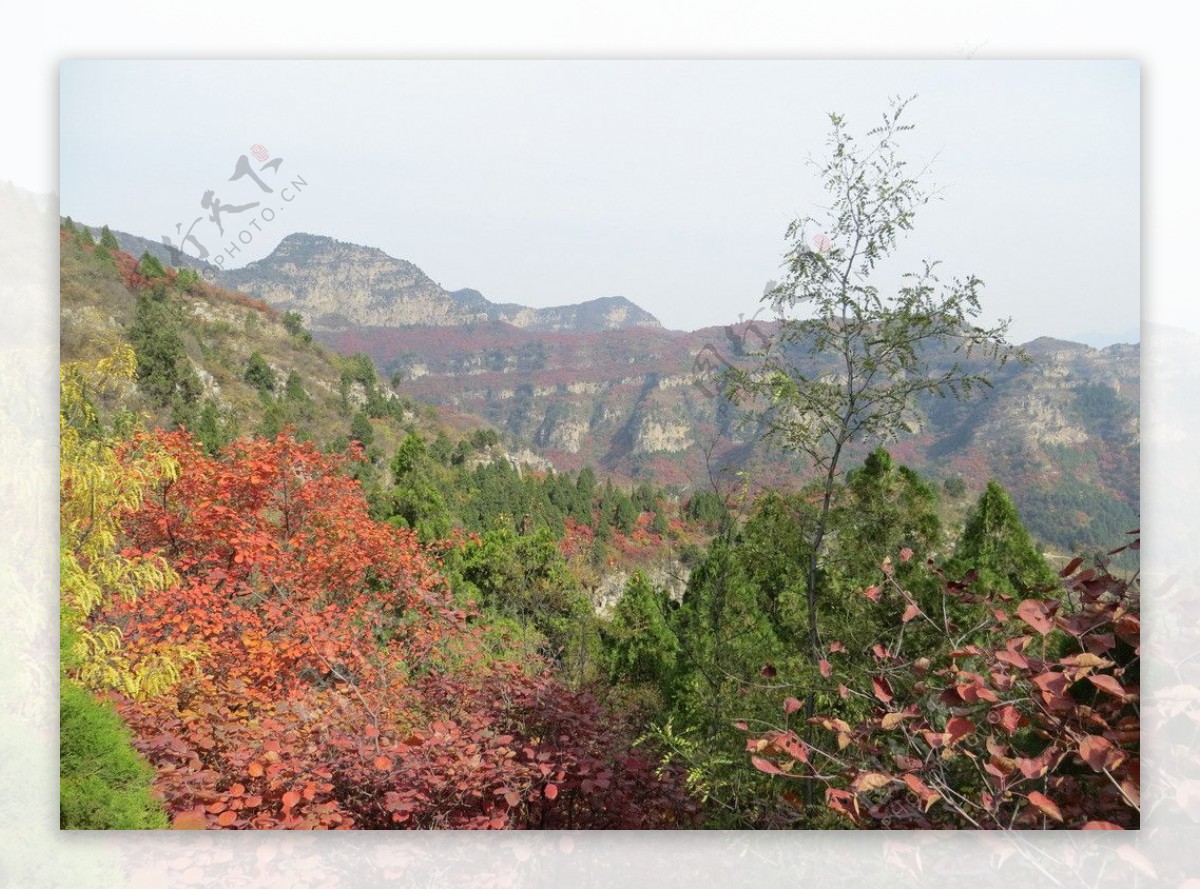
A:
(655, 432)
(339, 286)
(1036, 416)
(1040, 404)
(602, 383)
(636, 402)
(333, 285)
(669, 575)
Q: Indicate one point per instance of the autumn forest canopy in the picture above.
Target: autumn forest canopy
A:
(294, 596)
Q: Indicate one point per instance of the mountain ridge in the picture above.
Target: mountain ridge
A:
(1061, 433)
(473, 301)
(335, 285)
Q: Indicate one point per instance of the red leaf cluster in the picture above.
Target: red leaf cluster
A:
(335, 683)
(1035, 723)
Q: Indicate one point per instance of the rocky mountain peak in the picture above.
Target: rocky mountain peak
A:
(338, 285)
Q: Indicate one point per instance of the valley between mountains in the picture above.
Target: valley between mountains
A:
(601, 383)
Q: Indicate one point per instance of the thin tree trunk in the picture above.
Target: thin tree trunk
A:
(814, 635)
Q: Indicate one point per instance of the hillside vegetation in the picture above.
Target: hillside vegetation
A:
(315, 602)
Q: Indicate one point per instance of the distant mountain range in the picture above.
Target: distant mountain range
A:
(603, 383)
(338, 286)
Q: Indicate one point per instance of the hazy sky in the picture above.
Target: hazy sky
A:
(670, 183)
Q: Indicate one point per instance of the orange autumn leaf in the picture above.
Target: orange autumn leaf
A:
(882, 689)
(189, 821)
(1046, 805)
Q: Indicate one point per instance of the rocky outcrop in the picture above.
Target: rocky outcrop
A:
(339, 286)
(1038, 404)
(654, 433)
(671, 576)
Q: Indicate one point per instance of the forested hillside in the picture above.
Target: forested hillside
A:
(604, 385)
(294, 596)
(1061, 431)
(194, 603)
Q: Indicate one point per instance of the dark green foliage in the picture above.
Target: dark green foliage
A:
(640, 644)
(418, 504)
(707, 507)
(186, 279)
(691, 555)
(624, 513)
(213, 431)
(274, 419)
(725, 636)
(1079, 515)
(108, 240)
(206, 421)
(997, 546)
(293, 322)
(103, 782)
(442, 450)
(415, 500)
(293, 389)
(743, 625)
(730, 658)
(484, 438)
(259, 374)
(955, 486)
(361, 429)
(410, 456)
(773, 548)
(888, 507)
(163, 371)
(1100, 406)
(150, 267)
(524, 577)
(659, 524)
(645, 497)
(585, 483)
(359, 368)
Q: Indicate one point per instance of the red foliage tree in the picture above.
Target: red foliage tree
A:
(337, 685)
(1033, 725)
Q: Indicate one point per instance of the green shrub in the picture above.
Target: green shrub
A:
(187, 279)
(150, 267)
(259, 374)
(103, 781)
(361, 429)
(293, 322)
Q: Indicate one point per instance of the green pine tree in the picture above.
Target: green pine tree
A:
(259, 374)
(998, 547)
(642, 647)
